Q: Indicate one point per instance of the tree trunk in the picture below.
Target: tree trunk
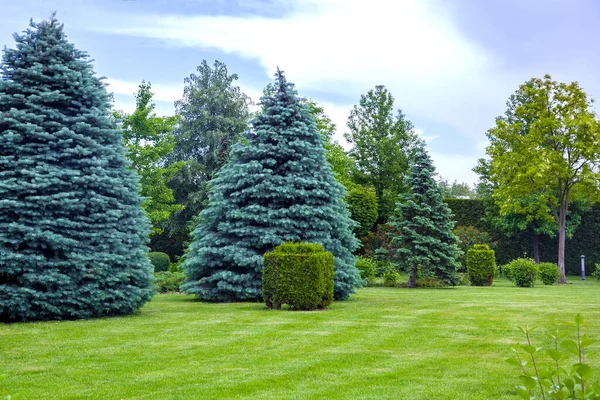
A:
(536, 247)
(562, 231)
(412, 280)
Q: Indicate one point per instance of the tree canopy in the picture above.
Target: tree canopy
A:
(544, 154)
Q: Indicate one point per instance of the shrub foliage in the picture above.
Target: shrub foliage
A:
(299, 275)
(522, 271)
(160, 261)
(549, 273)
(481, 265)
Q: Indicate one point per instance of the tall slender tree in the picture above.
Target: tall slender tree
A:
(277, 187)
(72, 231)
(423, 225)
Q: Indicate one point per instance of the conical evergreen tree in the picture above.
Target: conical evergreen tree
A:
(72, 231)
(423, 222)
(277, 187)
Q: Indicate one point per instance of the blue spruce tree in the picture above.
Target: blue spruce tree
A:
(277, 187)
(423, 222)
(72, 231)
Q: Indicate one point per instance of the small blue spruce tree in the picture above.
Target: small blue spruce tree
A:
(423, 222)
(277, 187)
(72, 231)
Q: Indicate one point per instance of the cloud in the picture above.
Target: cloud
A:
(343, 48)
(346, 47)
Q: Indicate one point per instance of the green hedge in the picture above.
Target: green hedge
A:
(160, 261)
(586, 239)
(481, 265)
(299, 275)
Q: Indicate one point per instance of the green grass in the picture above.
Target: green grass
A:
(383, 343)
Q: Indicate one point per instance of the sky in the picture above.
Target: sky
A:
(450, 64)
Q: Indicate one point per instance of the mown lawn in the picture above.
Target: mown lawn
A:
(384, 343)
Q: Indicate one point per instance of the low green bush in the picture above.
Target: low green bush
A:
(167, 281)
(549, 273)
(299, 275)
(160, 261)
(522, 272)
(391, 278)
(366, 266)
(383, 267)
(462, 279)
(481, 265)
(430, 282)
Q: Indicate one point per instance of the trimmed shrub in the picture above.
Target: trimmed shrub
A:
(469, 236)
(522, 271)
(366, 266)
(299, 275)
(166, 281)
(481, 265)
(549, 273)
(391, 278)
(160, 261)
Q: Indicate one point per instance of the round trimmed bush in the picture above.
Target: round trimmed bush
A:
(481, 265)
(160, 261)
(299, 275)
(549, 273)
(522, 271)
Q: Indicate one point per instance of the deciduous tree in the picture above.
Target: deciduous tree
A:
(545, 154)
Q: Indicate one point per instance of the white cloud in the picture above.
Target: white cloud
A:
(346, 47)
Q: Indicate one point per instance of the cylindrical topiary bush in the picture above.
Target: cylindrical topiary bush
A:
(522, 271)
(160, 261)
(299, 275)
(549, 273)
(481, 265)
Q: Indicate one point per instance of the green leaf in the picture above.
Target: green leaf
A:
(579, 319)
(585, 341)
(583, 370)
(569, 383)
(556, 355)
(528, 381)
(523, 393)
(530, 349)
(513, 361)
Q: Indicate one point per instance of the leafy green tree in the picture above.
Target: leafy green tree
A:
(277, 187)
(149, 140)
(72, 230)
(544, 154)
(423, 223)
(456, 189)
(212, 115)
(382, 146)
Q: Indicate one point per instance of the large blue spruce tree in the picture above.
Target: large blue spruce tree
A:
(277, 187)
(72, 230)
